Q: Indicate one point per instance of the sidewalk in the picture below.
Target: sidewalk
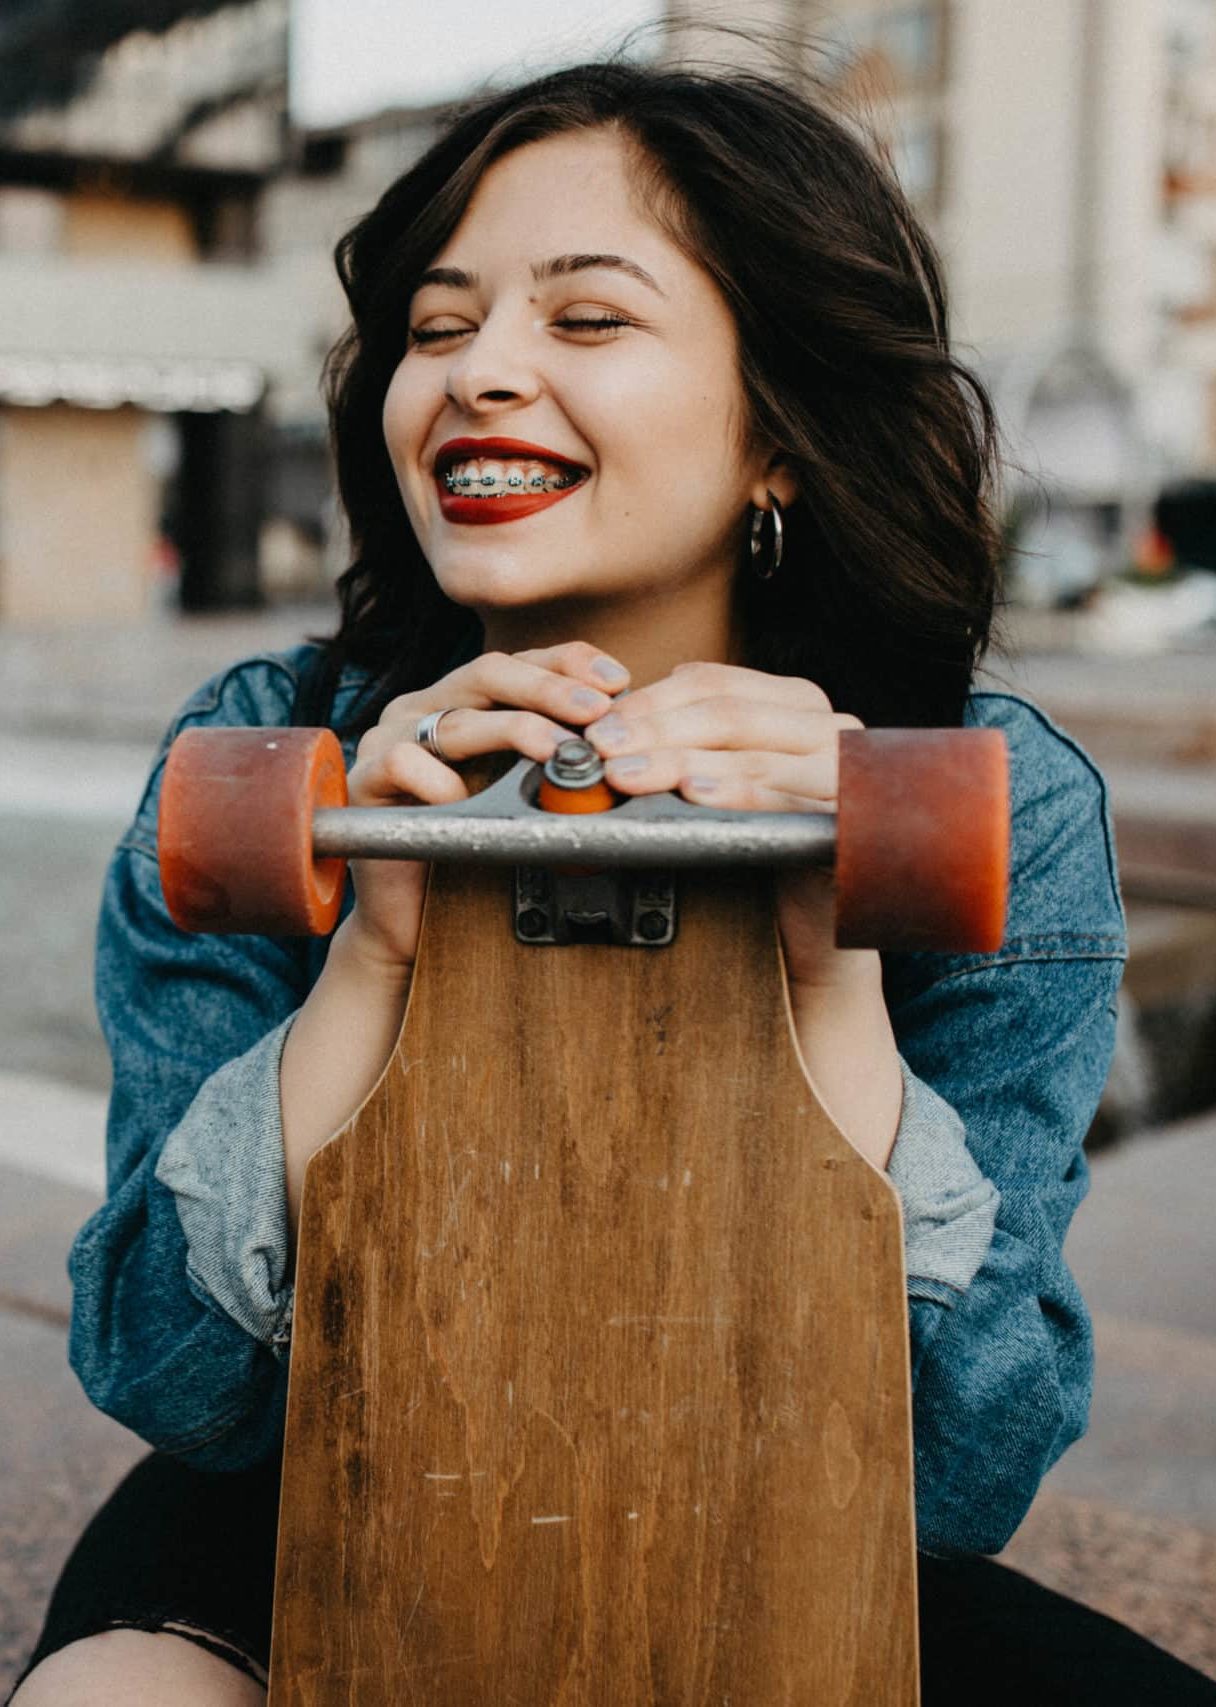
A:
(1127, 1520)
(124, 682)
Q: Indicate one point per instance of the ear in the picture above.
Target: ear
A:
(779, 479)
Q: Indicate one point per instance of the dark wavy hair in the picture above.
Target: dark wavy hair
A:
(886, 594)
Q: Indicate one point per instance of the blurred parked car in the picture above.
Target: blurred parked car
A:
(1184, 516)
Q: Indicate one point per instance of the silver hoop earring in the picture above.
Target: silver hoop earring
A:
(766, 562)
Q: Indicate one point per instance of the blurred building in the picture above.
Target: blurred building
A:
(1064, 154)
(169, 293)
(168, 298)
(139, 335)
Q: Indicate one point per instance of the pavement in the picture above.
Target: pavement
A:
(1126, 1521)
(122, 683)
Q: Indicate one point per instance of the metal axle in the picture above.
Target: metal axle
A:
(503, 826)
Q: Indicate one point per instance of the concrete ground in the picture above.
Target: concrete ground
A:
(1126, 1521)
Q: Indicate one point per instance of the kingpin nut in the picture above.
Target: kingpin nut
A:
(575, 764)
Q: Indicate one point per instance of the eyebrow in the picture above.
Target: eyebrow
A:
(556, 267)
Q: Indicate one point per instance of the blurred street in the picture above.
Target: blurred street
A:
(1127, 1520)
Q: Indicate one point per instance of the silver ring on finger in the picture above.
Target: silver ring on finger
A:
(426, 733)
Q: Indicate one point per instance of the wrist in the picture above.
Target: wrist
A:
(840, 973)
(369, 956)
(851, 1059)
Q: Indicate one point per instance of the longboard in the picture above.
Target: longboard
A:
(599, 1388)
(599, 1391)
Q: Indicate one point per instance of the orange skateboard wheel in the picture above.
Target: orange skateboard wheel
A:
(235, 831)
(922, 839)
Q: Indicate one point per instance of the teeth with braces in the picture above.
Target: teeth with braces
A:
(494, 480)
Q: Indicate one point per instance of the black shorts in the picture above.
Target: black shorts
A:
(174, 1547)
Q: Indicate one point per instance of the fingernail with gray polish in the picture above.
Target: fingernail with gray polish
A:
(610, 729)
(607, 671)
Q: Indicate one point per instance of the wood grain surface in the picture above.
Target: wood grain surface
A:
(599, 1388)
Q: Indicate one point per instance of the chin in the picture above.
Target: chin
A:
(502, 585)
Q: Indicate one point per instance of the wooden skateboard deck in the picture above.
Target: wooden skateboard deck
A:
(599, 1389)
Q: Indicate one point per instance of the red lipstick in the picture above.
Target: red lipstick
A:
(479, 512)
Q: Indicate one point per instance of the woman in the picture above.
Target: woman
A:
(648, 386)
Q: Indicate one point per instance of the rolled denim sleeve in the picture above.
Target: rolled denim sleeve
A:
(152, 1345)
(949, 1208)
(1002, 1371)
(180, 1297)
(1014, 1047)
(223, 1162)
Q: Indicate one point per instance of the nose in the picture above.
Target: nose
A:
(490, 370)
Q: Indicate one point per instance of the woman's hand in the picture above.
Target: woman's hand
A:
(521, 701)
(723, 735)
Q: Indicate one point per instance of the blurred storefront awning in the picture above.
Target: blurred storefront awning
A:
(93, 382)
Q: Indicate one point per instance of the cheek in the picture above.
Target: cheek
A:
(695, 485)
(659, 422)
(402, 419)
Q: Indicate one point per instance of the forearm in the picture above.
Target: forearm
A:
(336, 1050)
(849, 1053)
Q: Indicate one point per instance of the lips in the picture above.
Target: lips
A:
(509, 507)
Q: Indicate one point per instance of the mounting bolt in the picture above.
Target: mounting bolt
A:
(532, 922)
(651, 926)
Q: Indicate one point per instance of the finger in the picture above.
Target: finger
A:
(694, 681)
(465, 733)
(559, 680)
(747, 782)
(724, 721)
(502, 679)
(580, 659)
(386, 773)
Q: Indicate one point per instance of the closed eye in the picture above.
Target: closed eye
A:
(604, 323)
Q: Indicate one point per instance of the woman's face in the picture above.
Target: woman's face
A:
(560, 318)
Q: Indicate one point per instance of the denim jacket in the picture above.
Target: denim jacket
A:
(181, 1298)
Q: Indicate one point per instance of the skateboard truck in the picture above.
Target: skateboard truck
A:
(636, 909)
(504, 824)
(254, 833)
